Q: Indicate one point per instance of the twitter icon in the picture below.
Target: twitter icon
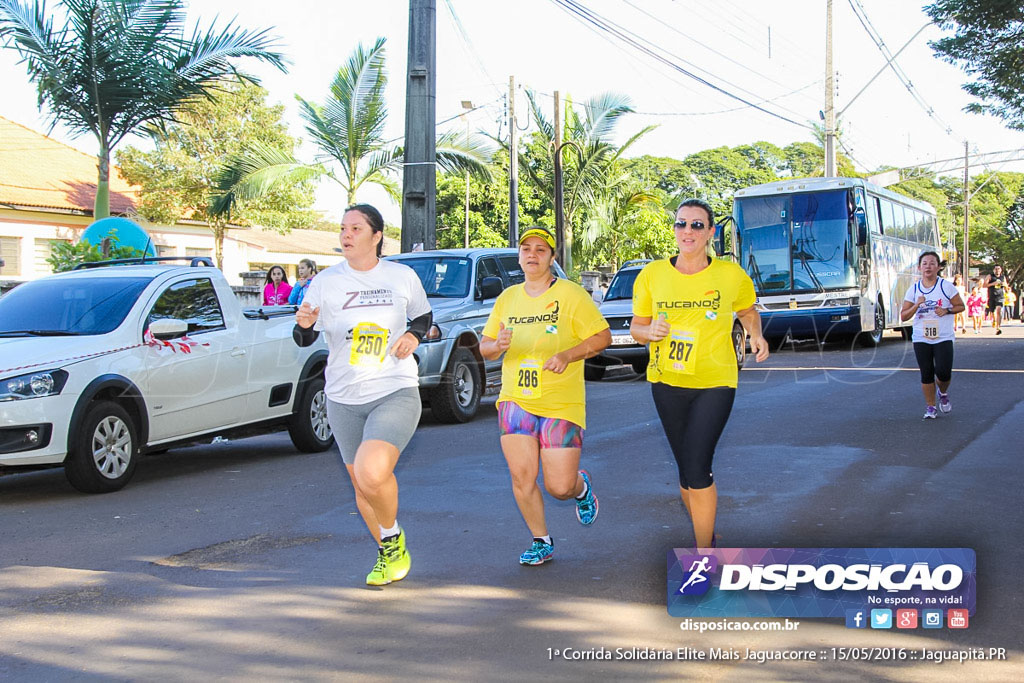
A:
(881, 618)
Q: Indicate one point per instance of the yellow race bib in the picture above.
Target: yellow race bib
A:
(679, 351)
(369, 345)
(528, 375)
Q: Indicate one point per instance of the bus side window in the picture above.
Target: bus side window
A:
(875, 216)
(901, 221)
(888, 222)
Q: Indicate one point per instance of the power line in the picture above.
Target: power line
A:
(876, 38)
(583, 14)
(707, 47)
(468, 44)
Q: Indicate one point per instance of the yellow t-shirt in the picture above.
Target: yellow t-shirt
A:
(542, 326)
(698, 352)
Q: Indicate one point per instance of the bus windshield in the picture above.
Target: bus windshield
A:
(798, 242)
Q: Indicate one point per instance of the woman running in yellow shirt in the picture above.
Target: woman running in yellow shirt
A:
(683, 306)
(545, 327)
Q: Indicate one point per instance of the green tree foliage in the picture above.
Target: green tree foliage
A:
(986, 43)
(348, 131)
(65, 256)
(589, 157)
(178, 177)
(118, 65)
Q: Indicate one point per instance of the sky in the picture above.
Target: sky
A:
(768, 53)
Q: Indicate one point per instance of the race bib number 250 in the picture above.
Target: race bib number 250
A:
(369, 345)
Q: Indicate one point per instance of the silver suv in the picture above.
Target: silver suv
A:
(461, 285)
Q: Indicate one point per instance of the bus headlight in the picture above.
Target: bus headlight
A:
(848, 301)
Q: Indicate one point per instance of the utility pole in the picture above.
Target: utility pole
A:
(468, 106)
(967, 207)
(559, 200)
(513, 167)
(830, 112)
(419, 183)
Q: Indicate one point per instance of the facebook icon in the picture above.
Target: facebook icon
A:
(856, 618)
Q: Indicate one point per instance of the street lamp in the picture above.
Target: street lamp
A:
(468, 106)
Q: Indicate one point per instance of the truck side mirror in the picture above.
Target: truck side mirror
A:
(168, 328)
(490, 287)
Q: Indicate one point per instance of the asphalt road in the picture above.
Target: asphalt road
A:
(243, 560)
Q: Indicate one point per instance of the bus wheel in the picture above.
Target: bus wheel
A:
(874, 337)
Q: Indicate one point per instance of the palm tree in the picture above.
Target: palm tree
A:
(587, 172)
(348, 133)
(616, 205)
(118, 65)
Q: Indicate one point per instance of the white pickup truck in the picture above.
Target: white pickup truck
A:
(101, 365)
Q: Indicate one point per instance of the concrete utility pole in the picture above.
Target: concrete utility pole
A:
(559, 199)
(830, 111)
(419, 183)
(513, 167)
(468, 106)
(967, 211)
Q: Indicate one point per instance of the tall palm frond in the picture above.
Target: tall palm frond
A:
(347, 131)
(256, 171)
(118, 65)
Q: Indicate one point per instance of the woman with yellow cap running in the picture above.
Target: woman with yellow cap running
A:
(545, 327)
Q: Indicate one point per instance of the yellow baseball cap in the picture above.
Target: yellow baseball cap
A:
(541, 233)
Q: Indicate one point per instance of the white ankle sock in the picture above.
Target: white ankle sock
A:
(393, 531)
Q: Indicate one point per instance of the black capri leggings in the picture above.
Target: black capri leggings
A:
(693, 420)
(935, 361)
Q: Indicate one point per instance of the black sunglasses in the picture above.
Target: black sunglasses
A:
(694, 225)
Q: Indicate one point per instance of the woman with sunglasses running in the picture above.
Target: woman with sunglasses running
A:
(545, 327)
(683, 307)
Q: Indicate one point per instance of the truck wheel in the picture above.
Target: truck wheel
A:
(739, 344)
(104, 451)
(593, 372)
(308, 427)
(457, 397)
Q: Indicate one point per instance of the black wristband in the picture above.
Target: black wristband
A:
(304, 336)
(419, 327)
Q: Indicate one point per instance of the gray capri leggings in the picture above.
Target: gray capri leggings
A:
(392, 418)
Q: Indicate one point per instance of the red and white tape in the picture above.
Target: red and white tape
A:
(185, 345)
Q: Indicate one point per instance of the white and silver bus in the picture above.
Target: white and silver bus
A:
(830, 257)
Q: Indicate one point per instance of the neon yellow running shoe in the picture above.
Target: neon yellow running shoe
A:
(398, 560)
(378, 576)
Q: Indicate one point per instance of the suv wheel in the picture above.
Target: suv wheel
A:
(457, 398)
(308, 427)
(104, 451)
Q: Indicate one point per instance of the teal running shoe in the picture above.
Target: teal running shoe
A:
(586, 509)
(538, 553)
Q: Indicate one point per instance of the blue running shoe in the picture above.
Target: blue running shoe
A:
(586, 509)
(538, 553)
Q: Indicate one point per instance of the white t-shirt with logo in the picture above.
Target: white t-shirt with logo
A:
(929, 327)
(362, 314)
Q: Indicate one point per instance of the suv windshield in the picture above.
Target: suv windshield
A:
(65, 306)
(622, 285)
(443, 276)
